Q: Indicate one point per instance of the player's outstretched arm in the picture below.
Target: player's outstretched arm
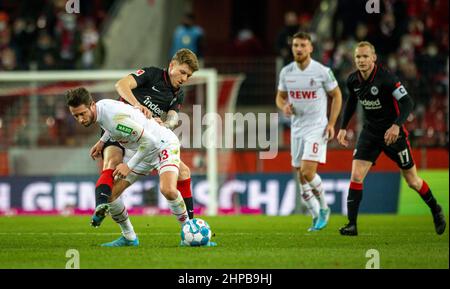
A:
(124, 87)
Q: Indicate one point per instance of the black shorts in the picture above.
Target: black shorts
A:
(370, 146)
(112, 143)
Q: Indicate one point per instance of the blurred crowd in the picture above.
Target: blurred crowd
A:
(40, 34)
(411, 38)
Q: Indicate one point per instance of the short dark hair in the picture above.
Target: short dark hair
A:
(78, 96)
(302, 35)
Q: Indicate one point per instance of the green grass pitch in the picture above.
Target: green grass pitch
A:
(243, 242)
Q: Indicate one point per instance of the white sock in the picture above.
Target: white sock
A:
(178, 209)
(120, 215)
(316, 184)
(310, 201)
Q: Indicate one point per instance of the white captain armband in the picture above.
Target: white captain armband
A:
(399, 92)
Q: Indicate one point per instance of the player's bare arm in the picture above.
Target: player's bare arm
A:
(349, 111)
(283, 104)
(124, 87)
(336, 105)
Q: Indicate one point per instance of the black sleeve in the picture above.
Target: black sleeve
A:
(177, 104)
(400, 95)
(350, 106)
(145, 75)
(405, 105)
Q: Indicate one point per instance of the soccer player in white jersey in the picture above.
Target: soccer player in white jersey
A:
(303, 91)
(148, 146)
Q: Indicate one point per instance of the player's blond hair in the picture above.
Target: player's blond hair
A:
(186, 56)
(366, 44)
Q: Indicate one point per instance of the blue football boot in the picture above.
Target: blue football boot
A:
(322, 222)
(122, 242)
(313, 226)
(99, 215)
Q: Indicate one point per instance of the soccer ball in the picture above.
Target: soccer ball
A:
(195, 232)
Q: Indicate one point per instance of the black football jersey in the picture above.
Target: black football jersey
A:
(155, 91)
(378, 96)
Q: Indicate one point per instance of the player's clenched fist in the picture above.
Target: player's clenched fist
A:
(341, 137)
(96, 150)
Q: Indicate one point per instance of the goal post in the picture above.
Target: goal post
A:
(9, 86)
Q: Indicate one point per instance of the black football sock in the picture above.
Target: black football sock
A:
(353, 199)
(189, 206)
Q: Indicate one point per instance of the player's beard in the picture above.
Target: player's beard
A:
(89, 122)
(301, 58)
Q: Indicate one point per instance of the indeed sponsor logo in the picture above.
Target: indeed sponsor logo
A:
(371, 104)
(153, 106)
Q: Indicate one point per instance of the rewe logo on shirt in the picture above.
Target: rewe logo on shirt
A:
(299, 94)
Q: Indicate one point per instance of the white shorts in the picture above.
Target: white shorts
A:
(311, 147)
(167, 159)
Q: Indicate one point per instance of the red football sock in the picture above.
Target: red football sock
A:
(103, 188)
(184, 187)
(424, 189)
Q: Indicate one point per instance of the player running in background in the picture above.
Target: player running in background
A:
(158, 94)
(303, 92)
(148, 146)
(386, 106)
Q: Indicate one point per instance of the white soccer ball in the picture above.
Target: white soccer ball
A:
(195, 232)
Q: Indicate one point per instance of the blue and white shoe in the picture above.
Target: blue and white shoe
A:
(313, 226)
(122, 242)
(99, 215)
(324, 215)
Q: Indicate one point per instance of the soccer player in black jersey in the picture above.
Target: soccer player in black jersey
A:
(386, 106)
(157, 93)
